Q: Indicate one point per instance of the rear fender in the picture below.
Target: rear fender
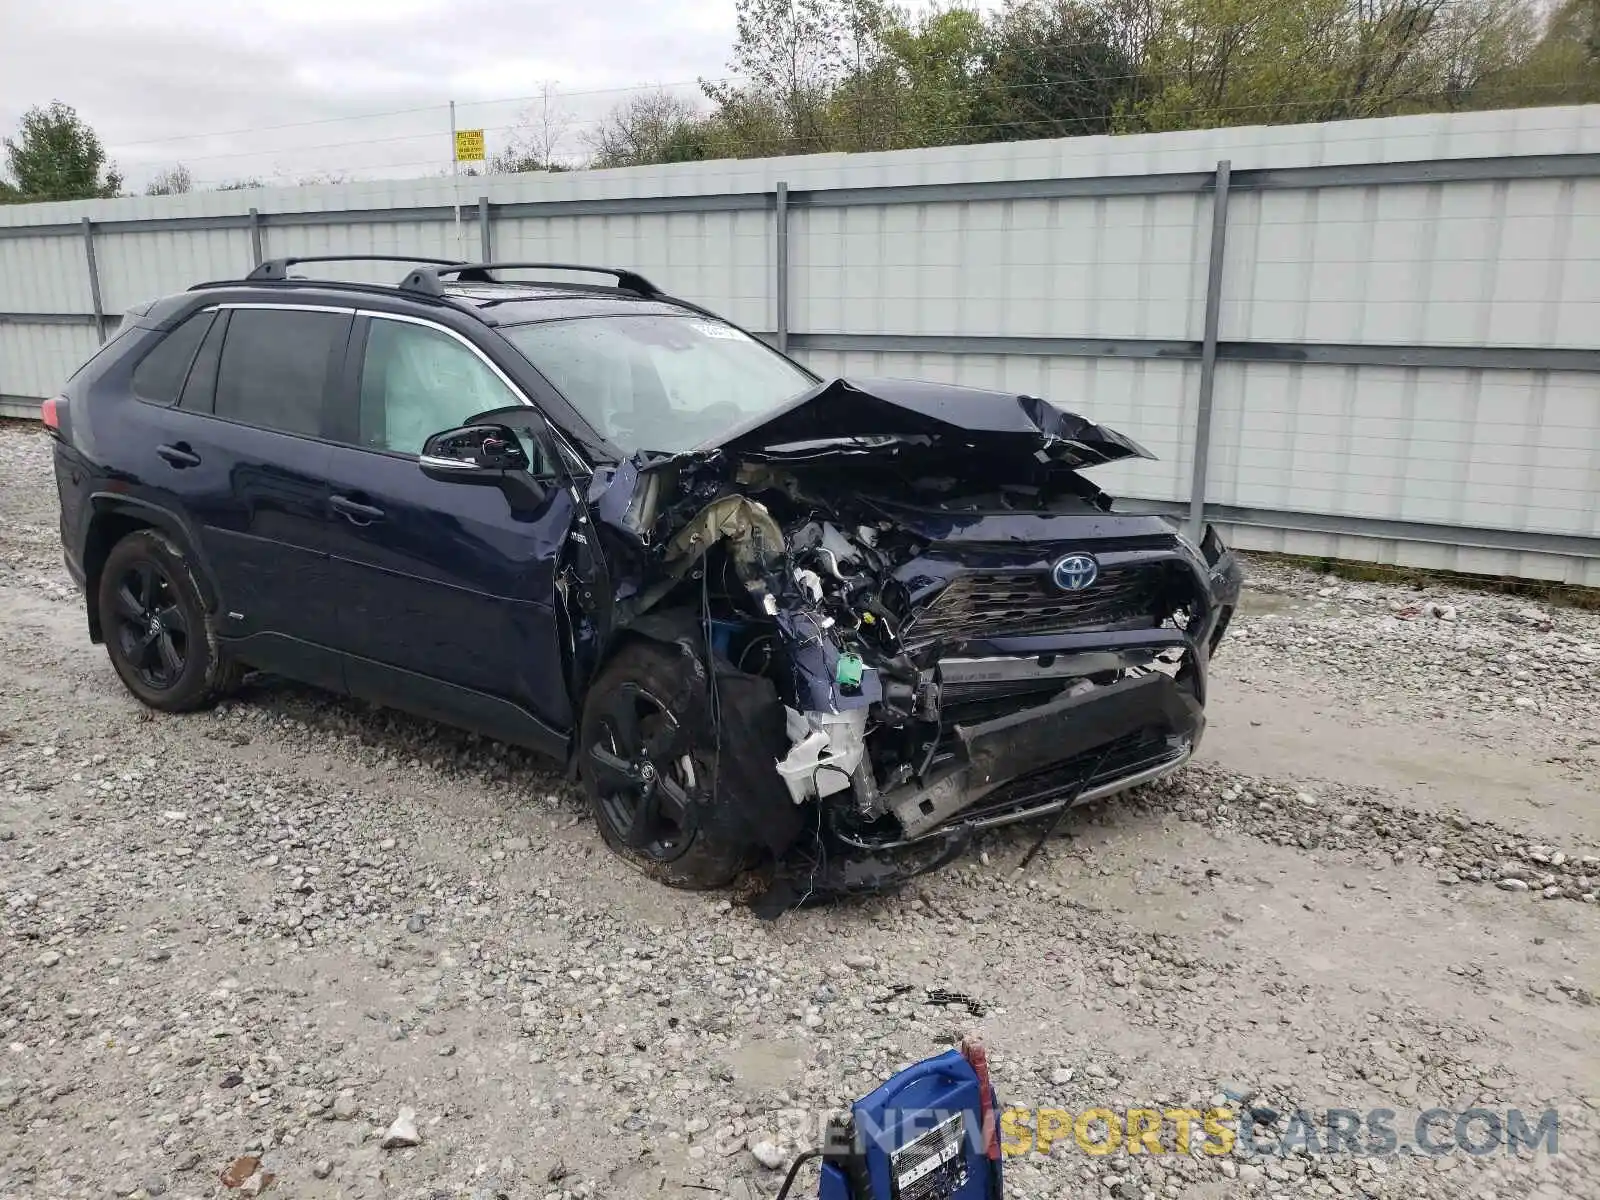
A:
(111, 516)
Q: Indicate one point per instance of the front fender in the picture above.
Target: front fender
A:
(1225, 582)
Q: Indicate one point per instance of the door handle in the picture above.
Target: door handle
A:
(356, 512)
(180, 455)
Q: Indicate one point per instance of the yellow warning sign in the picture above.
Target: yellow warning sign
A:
(469, 145)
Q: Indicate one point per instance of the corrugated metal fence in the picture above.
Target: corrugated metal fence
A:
(1383, 337)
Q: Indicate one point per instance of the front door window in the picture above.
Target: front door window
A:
(417, 381)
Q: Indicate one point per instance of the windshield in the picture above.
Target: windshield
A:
(659, 382)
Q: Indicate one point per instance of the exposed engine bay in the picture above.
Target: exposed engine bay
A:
(921, 619)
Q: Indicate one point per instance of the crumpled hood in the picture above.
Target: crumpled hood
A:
(863, 416)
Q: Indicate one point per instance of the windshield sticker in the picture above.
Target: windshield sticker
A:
(719, 331)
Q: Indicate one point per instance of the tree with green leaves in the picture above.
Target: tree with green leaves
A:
(1263, 62)
(790, 56)
(939, 66)
(860, 75)
(56, 156)
(862, 111)
(651, 127)
(1480, 43)
(1057, 68)
(1562, 66)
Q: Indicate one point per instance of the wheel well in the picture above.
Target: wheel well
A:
(106, 528)
(668, 627)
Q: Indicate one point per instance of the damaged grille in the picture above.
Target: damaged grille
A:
(985, 691)
(984, 604)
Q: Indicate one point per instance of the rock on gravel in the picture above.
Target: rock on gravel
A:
(402, 1131)
(239, 1170)
(768, 1154)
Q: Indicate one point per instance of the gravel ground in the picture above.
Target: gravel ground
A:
(243, 942)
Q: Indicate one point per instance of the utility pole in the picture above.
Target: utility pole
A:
(455, 177)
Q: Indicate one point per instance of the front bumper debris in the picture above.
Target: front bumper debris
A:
(886, 561)
(1028, 764)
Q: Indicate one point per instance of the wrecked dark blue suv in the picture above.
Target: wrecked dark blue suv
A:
(826, 629)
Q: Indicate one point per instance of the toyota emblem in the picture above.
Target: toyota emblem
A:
(1074, 572)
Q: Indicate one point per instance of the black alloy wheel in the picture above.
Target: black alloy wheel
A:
(153, 621)
(649, 761)
(151, 629)
(644, 774)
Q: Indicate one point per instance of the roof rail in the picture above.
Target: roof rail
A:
(426, 280)
(276, 270)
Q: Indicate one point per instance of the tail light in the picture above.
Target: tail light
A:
(50, 413)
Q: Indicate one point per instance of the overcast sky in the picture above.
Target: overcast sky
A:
(170, 81)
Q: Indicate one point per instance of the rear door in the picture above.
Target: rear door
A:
(447, 599)
(242, 456)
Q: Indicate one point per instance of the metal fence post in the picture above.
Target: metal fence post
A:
(781, 219)
(483, 230)
(1208, 353)
(255, 235)
(94, 281)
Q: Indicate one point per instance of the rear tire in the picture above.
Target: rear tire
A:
(156, 629)
(644, 734)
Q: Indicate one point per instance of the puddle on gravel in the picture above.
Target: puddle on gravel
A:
(762, 1065)
(1253, 603)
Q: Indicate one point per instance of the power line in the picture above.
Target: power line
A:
(443, 106)
(186, 137)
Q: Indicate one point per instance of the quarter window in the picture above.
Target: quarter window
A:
(275, 368)
(417, 381)
(200, 393)
(160, 374)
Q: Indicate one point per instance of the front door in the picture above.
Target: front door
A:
(446, 598)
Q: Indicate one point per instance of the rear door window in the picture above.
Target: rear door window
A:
(160, 375)
(277, 366)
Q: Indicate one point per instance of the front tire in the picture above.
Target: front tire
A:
(156, 627)
(647, 760)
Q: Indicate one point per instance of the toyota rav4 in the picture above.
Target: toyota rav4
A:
(821, 630)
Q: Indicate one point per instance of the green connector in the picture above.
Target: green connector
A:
(848, 672)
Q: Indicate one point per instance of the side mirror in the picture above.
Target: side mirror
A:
(474, 454)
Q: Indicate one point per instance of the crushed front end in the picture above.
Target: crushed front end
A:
(960, 631)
